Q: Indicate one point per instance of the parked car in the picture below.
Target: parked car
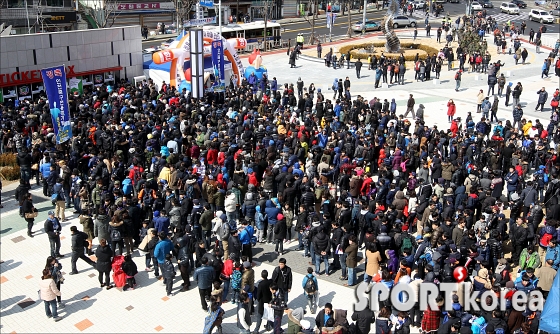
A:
(370, 26)
(555, 12)
(540, 16)
(540, 2)
(475, 6)
(418, 4)
(486, 3)
(403, 21)
(519, 3)
(509, 8)
(455, 1)
(165, 44)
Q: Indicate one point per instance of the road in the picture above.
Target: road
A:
(340, 27)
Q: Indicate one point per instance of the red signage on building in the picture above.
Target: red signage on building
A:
(136, 6)
(28, 77)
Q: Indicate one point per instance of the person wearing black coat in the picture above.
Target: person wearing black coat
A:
(28, 208)
(185, 245)
(52, 229)
(363, 320)
(234, 244)
(322, 247)
(280, 231)
(104, 256)
(264, 296)
(130, 269)
(451, 320)
(404, 327)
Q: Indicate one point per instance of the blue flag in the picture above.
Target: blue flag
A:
(54, 79)
(218, 66)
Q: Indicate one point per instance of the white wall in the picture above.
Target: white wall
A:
(89, 50)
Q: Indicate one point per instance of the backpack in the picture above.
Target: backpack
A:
(428, 254)
(475, 182)
(127, 189)
(546, 237)
(148, 198)
(189, 192)
(116, 235)
(310, 286)
(236, 280)
(406, 243)
(224, 231)
(403, 166)
(457, 76)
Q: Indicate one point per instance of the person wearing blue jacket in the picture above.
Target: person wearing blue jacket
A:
(161, 222)
(511, 181)
(272, 212)
(45, 170)
(163, 247)
(553, 253)
(245, 236)
(260, 220)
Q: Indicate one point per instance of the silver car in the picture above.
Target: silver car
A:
(403, 21)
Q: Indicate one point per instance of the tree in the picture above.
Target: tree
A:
(184, 8)
(469, 40)
(349, 32)
(103, 12)
(311, 20)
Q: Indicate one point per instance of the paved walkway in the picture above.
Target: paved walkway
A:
(147, 309)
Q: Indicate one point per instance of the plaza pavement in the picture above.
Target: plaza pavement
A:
(147, 309)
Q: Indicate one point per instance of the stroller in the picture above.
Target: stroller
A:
(119, 277)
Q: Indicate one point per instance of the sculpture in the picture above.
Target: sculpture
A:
(393, 44)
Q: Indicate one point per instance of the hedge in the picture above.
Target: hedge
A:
(10, 173)
(8, 159)
(404, 46)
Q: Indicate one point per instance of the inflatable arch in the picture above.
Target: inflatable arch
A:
(178, 53)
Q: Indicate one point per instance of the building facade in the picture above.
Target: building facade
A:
(94, 56)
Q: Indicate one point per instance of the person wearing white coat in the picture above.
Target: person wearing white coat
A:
(48, 293)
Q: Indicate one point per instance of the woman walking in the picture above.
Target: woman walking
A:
(30, 213)
(55, 267)
(104, 256)
(48, 293)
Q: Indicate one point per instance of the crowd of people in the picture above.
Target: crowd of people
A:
(195, 185)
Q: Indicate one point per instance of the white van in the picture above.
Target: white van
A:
(510, 8)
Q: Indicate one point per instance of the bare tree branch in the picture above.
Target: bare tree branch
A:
(184, 8)
(104, 13)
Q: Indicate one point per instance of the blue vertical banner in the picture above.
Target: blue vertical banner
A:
(54, 79)
(218, 65)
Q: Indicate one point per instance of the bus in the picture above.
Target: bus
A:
(253, 33)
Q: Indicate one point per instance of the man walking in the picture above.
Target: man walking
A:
(78, 245)
(358, 66)
(282, 278)
(204, 276)
(458, 80)
(543, 96)
(163, 247)
(52, 229)
(410, 106)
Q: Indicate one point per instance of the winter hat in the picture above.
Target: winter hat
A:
(280, 216)
(483, 273)
(298, 314)
(156, 213)
(284, 169)
(305, 324)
